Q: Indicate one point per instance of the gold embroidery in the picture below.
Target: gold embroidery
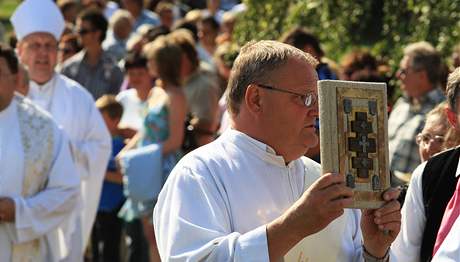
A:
(38, 142)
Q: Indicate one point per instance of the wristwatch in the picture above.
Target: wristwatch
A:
(370, 258)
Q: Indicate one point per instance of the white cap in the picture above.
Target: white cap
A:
(33, 16)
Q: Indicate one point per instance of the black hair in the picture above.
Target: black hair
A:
(96, 19)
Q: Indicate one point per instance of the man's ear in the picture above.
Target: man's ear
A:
(451, 117)
(252, 99)
(19, 48)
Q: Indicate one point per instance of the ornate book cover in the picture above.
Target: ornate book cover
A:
(354, 137)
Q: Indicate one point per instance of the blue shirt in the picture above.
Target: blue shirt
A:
(112, 193)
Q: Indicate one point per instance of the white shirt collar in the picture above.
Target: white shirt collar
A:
(263, 150)
(42, 94)
(46, 86)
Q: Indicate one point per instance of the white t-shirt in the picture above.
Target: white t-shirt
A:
(134, 110)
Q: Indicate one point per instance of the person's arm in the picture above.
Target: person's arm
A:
(131, 144)
(407, 245)
(36, 215)
(114, 177)
(176, 120)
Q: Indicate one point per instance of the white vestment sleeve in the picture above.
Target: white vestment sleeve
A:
(407, 245)
(92, 152)
(193, 223)
(93, 149)
(45, 211)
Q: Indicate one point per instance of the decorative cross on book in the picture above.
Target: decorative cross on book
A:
(353, 135)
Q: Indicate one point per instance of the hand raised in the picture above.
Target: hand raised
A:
(381, 226)
(320, 204)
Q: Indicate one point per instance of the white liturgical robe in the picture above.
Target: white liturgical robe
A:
(218, 199)
(37, 215)
(73, 108)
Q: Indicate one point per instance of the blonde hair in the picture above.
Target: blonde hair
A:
(167, 57)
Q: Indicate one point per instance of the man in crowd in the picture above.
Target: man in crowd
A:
(249, 196)
(431, 188)
(38, 26)
(94, 68)
(420, 75)
(141, 15)
(39, 186)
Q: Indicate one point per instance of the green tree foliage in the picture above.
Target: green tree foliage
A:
(383, 26)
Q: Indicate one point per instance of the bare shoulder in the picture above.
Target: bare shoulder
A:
(177, 97)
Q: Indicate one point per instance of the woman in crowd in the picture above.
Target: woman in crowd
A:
(164, 123)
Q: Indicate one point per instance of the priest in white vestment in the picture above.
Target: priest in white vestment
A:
(38, 26)
(39, 186)
(251, 196)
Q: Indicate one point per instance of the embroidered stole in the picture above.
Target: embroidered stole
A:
(37, 140)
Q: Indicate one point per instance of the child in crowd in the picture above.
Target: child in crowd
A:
(106, 235)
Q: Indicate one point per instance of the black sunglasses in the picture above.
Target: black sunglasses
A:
(84, 31)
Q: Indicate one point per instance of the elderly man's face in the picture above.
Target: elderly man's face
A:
(410, 79)
(38, 52)
(7, 84)
(290, 124)
(431, 139)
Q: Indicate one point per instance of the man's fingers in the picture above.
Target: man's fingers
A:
(391, 194)
(340, 203)
(327, 180)
(388, 218)
(389, 207)
(336, 191)
(392, 227)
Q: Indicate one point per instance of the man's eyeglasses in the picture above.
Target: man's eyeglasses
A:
(427, 138)
(309, 99)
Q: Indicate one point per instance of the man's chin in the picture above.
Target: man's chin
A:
(41, 77)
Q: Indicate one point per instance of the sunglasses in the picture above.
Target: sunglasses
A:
(84, 31)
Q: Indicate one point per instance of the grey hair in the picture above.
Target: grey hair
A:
(119, 16)
(255, 63)
(453, 88)
(423, 56)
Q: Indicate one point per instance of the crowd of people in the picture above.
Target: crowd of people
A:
(104, 104)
